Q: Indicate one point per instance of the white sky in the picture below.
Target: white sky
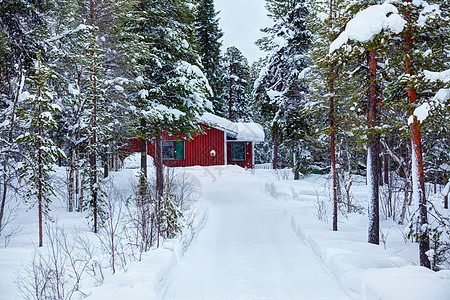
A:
(240, 21)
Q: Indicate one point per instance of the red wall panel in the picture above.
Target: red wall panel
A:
(248, 155)
(198, 150)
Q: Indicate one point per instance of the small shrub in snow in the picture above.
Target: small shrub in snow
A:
(437, 234)
(55, 272)
(111, 234)
(7, 230)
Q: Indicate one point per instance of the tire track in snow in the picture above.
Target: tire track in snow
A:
(248, 250)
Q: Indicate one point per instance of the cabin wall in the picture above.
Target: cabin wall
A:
(196, 152)
(248, 155)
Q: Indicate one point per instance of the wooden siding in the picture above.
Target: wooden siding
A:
(248, 155)
(198, 151)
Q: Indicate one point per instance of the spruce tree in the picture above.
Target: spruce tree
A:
(236, 75)
(41, 152)
(169, 91)
(23, 30)
(281, 88)
(208, 41)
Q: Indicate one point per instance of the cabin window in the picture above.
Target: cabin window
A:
(173, 150)
(238, 151)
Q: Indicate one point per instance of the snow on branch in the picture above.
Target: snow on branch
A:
(368, 23)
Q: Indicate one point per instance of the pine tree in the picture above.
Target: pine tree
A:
(41, 151)
(209, 42)
(23, 30)
(169, 89)
(281, 88)
(236, 74)
(419, 53)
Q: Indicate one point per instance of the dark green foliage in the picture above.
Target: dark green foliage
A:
(208, 41)
(281, 89)
(235, 80)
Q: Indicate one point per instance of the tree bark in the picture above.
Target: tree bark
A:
(159, 166)
(40, 175)
(446, 195)
(71, 179)
(374, 218)
(93, 155)
(424, 245)
(275, 147)
(159, 180)
(143, 178)
(230, 100)
(333, 152)
(105, 164)
(386, 169)
(296, 172)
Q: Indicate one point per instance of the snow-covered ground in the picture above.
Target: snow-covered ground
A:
(258, 237)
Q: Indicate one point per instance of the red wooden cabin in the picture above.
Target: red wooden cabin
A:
(231, 143)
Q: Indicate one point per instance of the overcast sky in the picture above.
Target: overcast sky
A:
(240, 21)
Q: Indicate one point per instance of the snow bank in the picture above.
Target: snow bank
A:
(368, 271)
(134, 161)
(143, 280)
(409, 282)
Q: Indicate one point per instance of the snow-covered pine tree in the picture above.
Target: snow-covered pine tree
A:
(280, 90)
(170, 90)
(236, 73)
(70, 36)
(21, 36)
(208, 41)
(425, 48)
(41, 153)
(96, 131)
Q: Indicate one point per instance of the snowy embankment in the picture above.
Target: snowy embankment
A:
(142, 280)
(369, 272)
(363, 270)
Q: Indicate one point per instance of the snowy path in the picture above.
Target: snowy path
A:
(248, 250)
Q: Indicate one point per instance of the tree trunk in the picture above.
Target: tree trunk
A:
(143, 177)
(424, 245)
(333, 153)
(93, 155)
(446, 195)
(71, 179)
(105, 164)
(417, 161)
(386, 169)
(4, 191)
(275, 147)
(373, 159)
(159, 180)
(77, 182)
(230, 100)
(40, 176)
(159, 166)
(93, 166)
(296, 172)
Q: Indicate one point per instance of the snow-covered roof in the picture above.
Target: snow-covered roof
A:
(251, 132)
